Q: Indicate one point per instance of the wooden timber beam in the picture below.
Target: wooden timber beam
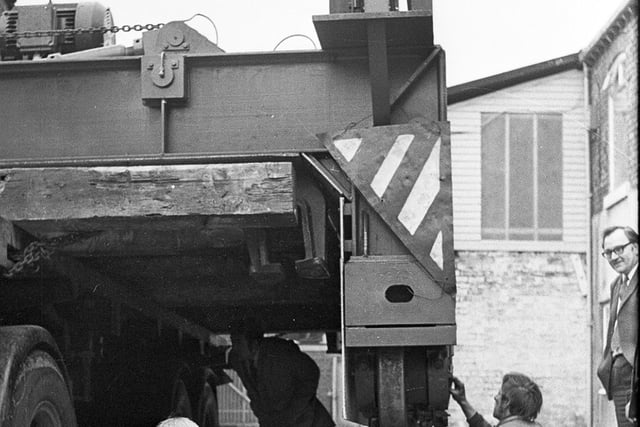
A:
(102, 285)
(233, 291)
(100, 198)
(10, 235)
(7, 237)
(144, 242)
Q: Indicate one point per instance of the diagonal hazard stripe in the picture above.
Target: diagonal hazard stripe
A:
(390, 164)
(408, 184)
(436, 251)
(348, 147)
(422, 193)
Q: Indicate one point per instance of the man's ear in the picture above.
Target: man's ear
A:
(504, 403)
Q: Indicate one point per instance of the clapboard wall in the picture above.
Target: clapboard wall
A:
(559, 93)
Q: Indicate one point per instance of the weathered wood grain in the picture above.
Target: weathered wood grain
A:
(176, 191)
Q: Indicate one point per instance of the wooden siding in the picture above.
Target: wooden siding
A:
(562, 93)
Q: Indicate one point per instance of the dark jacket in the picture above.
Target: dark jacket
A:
(627, 326)
(635, 386)
(282, 387)
(478, 421)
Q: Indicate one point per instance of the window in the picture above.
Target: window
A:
(618, 106)
(521, 176)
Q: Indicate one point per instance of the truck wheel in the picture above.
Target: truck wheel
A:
(40, 397)
(207, 415)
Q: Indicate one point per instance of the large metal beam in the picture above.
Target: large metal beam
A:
(392, 409)
(237, 104)
(349, 30)
(379, 72)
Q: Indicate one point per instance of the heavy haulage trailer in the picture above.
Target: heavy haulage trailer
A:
(151, 195)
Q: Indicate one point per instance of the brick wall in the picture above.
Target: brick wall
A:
(522, 312)
(626, 41)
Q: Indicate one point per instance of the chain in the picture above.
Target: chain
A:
(37, 251)
(88, 30)
(31, 256)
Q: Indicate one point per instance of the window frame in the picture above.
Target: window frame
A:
(614, 86)
(488, 234)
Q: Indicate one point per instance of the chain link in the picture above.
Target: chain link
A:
(37, 251)
(87, 30)
(30, 259)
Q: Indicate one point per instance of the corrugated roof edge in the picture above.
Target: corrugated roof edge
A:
(486, 85)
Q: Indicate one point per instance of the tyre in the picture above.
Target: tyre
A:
(207, 409)
(40, 397)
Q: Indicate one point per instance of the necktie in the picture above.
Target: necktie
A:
(615, 338)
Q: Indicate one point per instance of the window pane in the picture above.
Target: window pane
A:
(521, 171)
(550, 174)
(493, 176)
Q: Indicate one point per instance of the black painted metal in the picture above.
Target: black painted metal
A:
(251, 104)
(349, 30)
(379, 73)
(376, 69)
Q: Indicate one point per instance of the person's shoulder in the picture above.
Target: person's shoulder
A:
(615, 282)
(518, 422)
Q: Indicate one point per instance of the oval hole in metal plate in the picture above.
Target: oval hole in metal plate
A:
(399, 293)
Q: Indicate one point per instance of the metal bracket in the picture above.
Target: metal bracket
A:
(163, 77)
(163, 70)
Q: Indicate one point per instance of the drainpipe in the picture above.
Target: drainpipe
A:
(590, 299)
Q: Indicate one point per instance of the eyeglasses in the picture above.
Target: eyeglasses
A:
(618, 250)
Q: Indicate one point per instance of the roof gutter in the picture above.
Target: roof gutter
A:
(510, 78)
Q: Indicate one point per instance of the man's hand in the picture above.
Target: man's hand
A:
(457, 391)
(627, 408)
(459, 395)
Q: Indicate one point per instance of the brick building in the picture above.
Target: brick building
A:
(611, 66)
(520, 179)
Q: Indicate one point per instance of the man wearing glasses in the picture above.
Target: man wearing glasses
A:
(620, 249)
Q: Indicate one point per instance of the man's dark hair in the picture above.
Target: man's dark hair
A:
(524, 396)
(249, 327)
(628, 231)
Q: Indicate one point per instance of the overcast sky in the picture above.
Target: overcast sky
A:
(480, 37)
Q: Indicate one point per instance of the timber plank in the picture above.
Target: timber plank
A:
(10, 235)
(174, 191)
(103, 285)
(7, 237)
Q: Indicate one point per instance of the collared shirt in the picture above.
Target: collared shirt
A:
(631, 273)
(476, 420)
(511, 419)
(626, 281)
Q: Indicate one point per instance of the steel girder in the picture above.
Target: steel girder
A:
(250, 104)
